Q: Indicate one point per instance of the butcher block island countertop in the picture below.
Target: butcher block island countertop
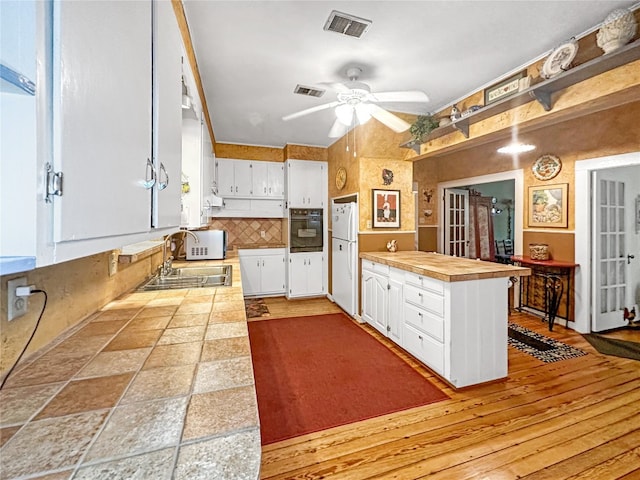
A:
(445, 267)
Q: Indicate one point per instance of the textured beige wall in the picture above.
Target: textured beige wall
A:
(605, 133)
(75, 289)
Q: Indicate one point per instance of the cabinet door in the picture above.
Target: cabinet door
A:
(167, 116)
(192, 169)
(297, 275)
(250, 269)
(260, 179)
(102, 118)
(368, 296)
(243, 178)
(315, 185)
(315, 274)
(272, 274)
(296, 184)
(380, 304)
(225, 177)
(395, 310)
(275, 174)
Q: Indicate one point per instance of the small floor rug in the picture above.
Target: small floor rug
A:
(255, 307)
(539, 346)
(318, 372)
(613, 346)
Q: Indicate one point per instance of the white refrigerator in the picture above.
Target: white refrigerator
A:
(344, 249)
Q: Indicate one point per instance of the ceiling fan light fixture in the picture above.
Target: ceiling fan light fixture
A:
(516, 148)
(344, 113)
(363, 112)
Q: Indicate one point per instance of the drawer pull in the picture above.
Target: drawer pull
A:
(420, 294)
(420, 337)
(420, 314)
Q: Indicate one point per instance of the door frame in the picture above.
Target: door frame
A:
(582, 247)
(518, 202)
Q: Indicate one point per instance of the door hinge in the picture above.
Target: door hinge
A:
(53, 181)
(388, 328)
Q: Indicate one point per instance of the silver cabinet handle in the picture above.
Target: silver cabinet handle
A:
(258, 264)
(150, 175)
(236, 189)
(420, 337)
(420, 315)
(231, 189)
(162, 185)
(263, 263)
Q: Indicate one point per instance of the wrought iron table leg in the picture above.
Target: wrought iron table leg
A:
(554, 289)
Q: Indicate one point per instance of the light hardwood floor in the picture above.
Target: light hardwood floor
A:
(577, 419)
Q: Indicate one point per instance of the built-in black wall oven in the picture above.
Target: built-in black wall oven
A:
(305, 230)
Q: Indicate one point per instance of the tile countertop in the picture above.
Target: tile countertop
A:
(155, 385)
(445, 267)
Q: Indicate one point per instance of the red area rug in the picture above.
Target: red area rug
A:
(318, 372)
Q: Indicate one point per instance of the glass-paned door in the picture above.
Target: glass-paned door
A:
(609, 256)
(456, 222)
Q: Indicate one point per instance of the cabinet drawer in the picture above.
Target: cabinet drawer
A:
(424, 348)
(375, 267)
(422, 281)
(424, 321)
(425, 299)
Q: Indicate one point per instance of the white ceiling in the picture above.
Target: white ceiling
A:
(251, 54)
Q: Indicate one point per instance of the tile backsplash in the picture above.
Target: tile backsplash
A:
(243, 231)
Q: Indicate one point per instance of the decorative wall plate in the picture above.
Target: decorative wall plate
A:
(341, 178)
(560, 59)
(546, 167)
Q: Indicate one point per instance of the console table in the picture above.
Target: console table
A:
(548, 288)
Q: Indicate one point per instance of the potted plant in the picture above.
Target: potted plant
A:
(422, 127)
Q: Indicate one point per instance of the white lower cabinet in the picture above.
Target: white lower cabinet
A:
(263, 271)
(457, 329)
(306, 275)
(382, 299)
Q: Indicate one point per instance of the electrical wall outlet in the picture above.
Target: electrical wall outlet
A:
(263, 234)
(16, 306)
(368, 223)
(113, 263)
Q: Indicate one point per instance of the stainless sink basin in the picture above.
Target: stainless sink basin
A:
(190, 277)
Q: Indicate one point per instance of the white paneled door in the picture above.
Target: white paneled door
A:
(456, 222)
(610, 256)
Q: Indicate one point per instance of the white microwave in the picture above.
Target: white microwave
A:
(211, 245)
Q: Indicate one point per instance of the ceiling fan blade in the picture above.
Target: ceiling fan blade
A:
(392, 121)
(336, 86)
(407, 96)
(338, 129)
(317, 108)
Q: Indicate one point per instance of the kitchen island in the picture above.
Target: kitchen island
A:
(450, 313)
(157, 384)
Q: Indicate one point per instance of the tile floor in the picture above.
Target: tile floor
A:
(155, 386)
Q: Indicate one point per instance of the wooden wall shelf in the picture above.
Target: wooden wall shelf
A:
(541, 91)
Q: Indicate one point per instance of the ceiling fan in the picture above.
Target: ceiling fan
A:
(356, 102)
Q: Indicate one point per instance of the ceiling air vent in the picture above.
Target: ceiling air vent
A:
(309, 91)
(347, 24)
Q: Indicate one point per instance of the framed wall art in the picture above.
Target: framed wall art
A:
(386, 208)
(503, 89)
(548, 206)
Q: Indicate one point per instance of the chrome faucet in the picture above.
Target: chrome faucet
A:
(166, 267)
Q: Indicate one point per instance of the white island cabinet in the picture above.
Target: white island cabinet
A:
(452, 315)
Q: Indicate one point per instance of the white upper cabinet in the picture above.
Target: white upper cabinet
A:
(167, 116)
(107, 130)
(234, 178)
(268, 179)
(250, 179)
(306, 184)
(102, 118)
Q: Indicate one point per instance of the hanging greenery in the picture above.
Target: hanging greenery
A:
(423, 126)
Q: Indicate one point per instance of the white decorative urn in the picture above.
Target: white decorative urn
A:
(617, 30)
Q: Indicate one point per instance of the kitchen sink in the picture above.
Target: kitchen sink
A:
(190, 277)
